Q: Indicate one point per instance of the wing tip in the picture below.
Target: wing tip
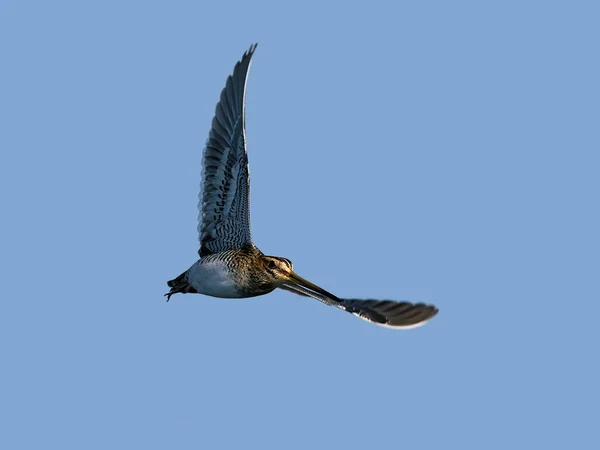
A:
(248, 53)
(391, 314)
(427, 312)
(252, 49)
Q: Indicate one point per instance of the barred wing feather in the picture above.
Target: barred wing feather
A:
(387, 313)
(224, 217)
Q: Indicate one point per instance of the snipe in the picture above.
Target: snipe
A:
(230, 265)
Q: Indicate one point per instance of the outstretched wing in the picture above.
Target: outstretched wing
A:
(224, 217)
(390, 313)
(387, 313)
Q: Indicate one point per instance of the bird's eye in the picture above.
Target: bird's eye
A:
(272, 265)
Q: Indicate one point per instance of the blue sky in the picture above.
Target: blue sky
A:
(442, 152)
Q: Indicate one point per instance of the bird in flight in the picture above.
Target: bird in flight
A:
(230, 265)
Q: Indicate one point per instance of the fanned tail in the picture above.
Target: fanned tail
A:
(179, 285)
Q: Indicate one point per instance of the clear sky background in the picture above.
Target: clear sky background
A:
(440, 152)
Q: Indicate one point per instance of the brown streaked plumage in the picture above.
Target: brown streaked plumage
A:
(230, 265)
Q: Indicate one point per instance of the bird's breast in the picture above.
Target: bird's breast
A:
(213, 278)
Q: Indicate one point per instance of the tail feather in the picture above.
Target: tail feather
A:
(179, 285)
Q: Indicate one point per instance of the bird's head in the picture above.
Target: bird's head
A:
(280, 271)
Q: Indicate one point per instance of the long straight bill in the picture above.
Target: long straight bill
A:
(297, 280)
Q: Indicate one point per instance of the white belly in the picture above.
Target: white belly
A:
(212, 279)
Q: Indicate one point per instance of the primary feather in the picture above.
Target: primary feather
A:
(224, 211)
